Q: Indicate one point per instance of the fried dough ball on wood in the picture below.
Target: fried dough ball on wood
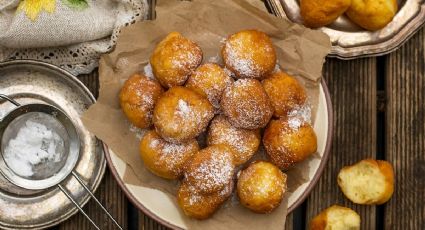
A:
(174, 59)
(336, 217)
(211, 169)
(166, 159)
(288, 142)
(285, 93)
(201, 206)
(261, 186)
(243, 142)
(210, 80)
(367, 182)
(246, 104)
(318, 13)
(249, 54)
(137, 99)
(181, 114)
(372, 14)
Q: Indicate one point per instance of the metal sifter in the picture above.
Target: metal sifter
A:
(46, 174)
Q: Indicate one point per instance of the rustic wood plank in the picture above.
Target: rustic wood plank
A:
(108, 193)
(111, 196)
(352, 85)
(405, 136)
(146, 223)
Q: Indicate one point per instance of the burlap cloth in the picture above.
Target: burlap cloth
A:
(68, 33)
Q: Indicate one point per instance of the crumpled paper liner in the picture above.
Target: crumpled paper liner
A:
(300, 52)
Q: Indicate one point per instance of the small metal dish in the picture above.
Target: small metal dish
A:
(47, 86)
(48, 173)
(350, 41)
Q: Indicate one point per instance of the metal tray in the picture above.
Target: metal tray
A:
(350, 41)
(37, 82)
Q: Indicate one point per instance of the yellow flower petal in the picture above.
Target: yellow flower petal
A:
(33, 8)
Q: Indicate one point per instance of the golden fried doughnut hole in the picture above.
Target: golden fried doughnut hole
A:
(285, 93)
(261, 186)
(201, 206)
(210, 80)
(289, 141)
(246, 104)
(372, 14)
(210, 169)
(163, 158)
(137, 99)
(181, 114)
(318, 13)
(174, 59)
(368, 181)
(243, 142)
(249, 54)
(336, 217)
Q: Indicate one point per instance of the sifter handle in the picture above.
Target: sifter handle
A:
(77, 205)
(97, 201)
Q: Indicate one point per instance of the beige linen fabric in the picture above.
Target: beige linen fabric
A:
(68, 33)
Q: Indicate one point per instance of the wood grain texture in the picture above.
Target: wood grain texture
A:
(405, 137)
(146, 223)
(352, 86)
(108, 193)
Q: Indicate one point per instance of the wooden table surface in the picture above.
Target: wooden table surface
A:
(379, 113)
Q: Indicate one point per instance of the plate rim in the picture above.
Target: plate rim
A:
(74, 210)
(300, 199)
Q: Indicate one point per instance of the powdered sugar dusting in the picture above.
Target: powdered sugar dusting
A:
(214, 59)
(137, 131)
(294, 123)
(211, 80)
(187, 55)
(166, 156)
(299, 116)
(174, 155)
(147, 70)
(183, 108)
(244, 142)
(246, 104)
(212, 172)
(243, 66)
(33, 144)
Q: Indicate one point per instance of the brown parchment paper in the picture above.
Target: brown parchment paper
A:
(300, 52)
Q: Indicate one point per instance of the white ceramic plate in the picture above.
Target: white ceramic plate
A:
(160, 207)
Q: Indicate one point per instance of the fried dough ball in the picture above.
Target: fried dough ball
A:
(165, 159)
(210, 80)
(201, 206)
(288, 142)
(246, 104)
(285, 93)
(372, 14)
(249, 54)
(261, 186)
(243, 142)
(336, 217)
(318, 13)
(367, 182)
(210, 169)
(174, 59)
(181, 114)
(137, 99)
